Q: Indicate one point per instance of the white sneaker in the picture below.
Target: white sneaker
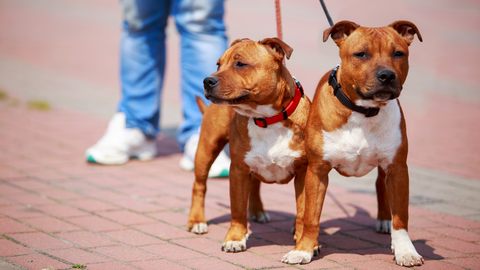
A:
(220, 167)
(119, 144)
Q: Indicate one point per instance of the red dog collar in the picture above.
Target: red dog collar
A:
(264, 122)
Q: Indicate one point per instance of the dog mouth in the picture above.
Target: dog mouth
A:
(379, 95)
(383, 96)
(229, 101)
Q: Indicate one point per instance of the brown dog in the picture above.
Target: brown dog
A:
(267, 113)
(356, 124)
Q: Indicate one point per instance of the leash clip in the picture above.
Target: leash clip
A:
(299, 85)
(332, 79)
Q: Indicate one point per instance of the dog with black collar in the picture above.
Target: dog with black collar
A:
(356, 124)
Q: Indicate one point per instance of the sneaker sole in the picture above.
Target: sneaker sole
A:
(106, 162)
(186, 165)
(223, 173)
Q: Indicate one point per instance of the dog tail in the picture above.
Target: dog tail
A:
(201, 104)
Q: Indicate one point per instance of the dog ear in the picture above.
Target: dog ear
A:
(407, 30)
(339, 31)
(238, 40)
(280, 48)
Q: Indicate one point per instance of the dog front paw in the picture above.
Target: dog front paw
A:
(296, 257)
(405, 252)
(235, 246)
(199, 228)
(384, 226)
(408, 258)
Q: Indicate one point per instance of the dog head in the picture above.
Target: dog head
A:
(249, 75)
(374, 60)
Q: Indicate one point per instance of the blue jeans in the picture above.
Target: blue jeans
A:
(142, 63)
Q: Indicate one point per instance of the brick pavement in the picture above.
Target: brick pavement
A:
(57, 211)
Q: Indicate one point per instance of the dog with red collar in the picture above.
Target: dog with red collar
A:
(260, 109)
(356, 124)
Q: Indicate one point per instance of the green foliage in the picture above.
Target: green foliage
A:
(40, 105)
(3, 95)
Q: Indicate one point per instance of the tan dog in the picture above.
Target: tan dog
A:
(268, 113)
(356, 124)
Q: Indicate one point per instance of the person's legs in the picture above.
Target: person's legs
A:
(131, 132)
(203, 41)
(142, 61)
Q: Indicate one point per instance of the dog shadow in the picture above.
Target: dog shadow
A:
(337, 236)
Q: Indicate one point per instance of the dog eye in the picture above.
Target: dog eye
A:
(218, 66)
(360, 55)
(398, 54)
(240, 64)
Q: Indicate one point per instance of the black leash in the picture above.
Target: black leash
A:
(326, 13)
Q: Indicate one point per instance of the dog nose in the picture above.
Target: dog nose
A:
(210, 82)
(386, 76)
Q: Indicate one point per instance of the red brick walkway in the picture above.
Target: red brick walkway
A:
(57, 211)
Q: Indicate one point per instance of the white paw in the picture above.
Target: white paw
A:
(402, 247)
(235, 246)
(262, 218)
(384, 226)
(200, 228)
(407, 257)
(296, 257)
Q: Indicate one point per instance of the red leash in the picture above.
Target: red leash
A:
(278, 12)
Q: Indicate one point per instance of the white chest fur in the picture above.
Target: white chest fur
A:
(364, 143)
(270, 155)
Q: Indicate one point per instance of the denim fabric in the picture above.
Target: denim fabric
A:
(142, 61)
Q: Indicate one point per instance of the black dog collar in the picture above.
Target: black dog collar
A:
(337, 91)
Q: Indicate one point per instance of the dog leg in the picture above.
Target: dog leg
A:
(237, 235)
(316, 183)
(300, 200)
(209, 146)
(255, 205)
(384, 216)
(398, 192)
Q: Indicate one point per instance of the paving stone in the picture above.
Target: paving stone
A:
(77, 256)
(133, 238)
(200, 244)
(94, 223)
(126, 217)
(86, 239)
(173, 252)
(110, 266)
(12, 226)
(10, 248)
(50, 224)
(40, 241)
(157, 264)
(38, 261)
(122, 253)
(92, 205)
